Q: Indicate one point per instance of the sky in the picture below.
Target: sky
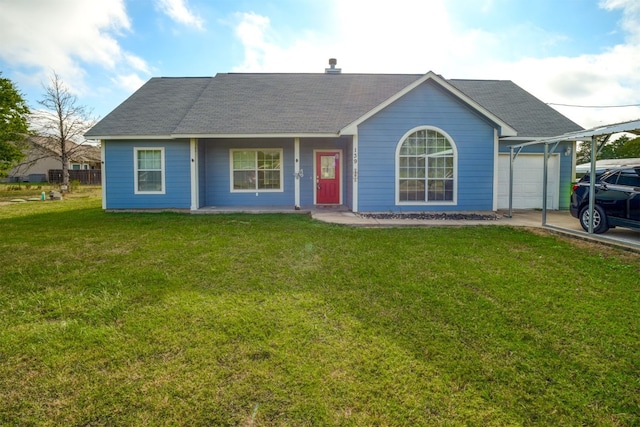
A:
(572, 54)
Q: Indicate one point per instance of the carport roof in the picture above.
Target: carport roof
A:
(586, 135)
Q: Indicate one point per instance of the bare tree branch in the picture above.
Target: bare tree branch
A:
(63, 120)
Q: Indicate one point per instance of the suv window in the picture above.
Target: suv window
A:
(629, 177)
(612, 178)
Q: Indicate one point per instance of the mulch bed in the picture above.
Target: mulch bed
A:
(432, 216)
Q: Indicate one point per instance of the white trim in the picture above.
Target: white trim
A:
(506, 130)
(296, 172)
(257, 135)
(195, 194)
(103, 174)
(135, 170)
(315, 172)
(522, 139)
(354, 190)
(454, 147)
(132, 137)
(574, 160)
(217, 135)
(256, 190)
(496, 156)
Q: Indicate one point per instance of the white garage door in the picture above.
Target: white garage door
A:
(528, 171)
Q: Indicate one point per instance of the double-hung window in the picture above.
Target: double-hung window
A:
(149, 170)
(256, 170)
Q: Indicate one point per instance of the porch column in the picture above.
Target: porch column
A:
(193, 155)
(354, 178)
(296, 171)
(103, 174)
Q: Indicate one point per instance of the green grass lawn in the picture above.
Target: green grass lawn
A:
(241, 320)
(34, 190)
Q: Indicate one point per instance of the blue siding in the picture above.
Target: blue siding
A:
(215, 171)
(427, 105)
(217, 188)
(307, 146)
(119, 168)
(566, 167)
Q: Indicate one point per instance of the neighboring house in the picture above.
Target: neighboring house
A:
(43, 155)
(368, 142)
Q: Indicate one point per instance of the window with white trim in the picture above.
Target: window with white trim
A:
(149, 170)
(256, 170)
(426, 160)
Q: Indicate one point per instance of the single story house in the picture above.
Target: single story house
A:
(366, 142)
(43, 160)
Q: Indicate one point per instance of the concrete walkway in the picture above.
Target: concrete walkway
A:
(524, 218)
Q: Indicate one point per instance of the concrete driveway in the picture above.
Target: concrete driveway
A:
(562, 222)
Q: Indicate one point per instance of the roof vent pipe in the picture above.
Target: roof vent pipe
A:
(332, 67)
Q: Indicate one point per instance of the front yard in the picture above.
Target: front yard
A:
(34, 190)
(260, 320)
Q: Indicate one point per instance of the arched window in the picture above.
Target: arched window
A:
(426, 161)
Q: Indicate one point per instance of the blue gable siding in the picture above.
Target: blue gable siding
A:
(120, 168)
(427, 105)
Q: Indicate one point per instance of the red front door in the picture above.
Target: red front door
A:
(328, 177)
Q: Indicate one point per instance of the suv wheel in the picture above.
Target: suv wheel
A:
(599, 219)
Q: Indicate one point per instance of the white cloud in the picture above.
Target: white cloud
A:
(65, 36)
(137, 63)
(251, 31)
(130, 82)
(373, 37)
(179, 12)
(382, 39)
(589, 80)
(630, 17)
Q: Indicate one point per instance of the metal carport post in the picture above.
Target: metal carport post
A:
(512, 158)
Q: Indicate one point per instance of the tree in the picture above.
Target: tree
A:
(64, 121)
(611, 150)
(631, 149)
(583, 153)
(14, 126)
(616, 149)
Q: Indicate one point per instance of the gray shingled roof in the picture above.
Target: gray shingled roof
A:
(523, 111)
(157, 108)
(299, 104)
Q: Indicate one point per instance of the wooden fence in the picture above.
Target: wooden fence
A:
(87, 176)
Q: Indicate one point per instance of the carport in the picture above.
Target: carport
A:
(597, 136)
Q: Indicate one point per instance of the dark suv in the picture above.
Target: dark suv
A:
(617, 201)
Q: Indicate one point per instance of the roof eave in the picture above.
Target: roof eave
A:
(257, 135)
(219, 135)
(127, 137)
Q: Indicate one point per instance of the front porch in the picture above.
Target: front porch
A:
(271, 174)
(306, 210)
